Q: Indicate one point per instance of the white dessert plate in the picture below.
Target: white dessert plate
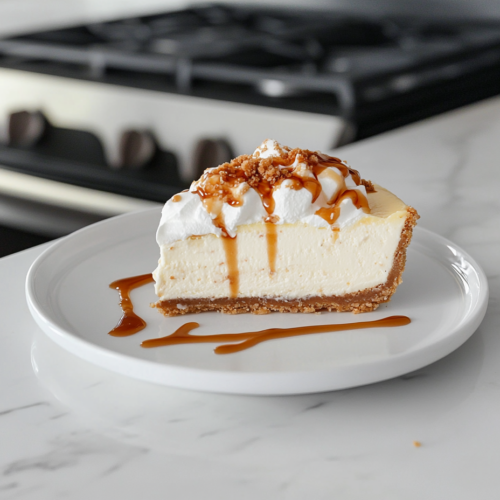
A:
(445, 293)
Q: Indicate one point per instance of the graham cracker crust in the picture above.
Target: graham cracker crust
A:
(364, 301)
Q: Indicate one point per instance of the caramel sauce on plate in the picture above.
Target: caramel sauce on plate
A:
(129, 323)
(249, 339)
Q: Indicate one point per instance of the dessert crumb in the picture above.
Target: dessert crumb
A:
(417, 444)
(368, 185)
(257, 171)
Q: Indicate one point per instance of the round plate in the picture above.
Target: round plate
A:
(445, 293)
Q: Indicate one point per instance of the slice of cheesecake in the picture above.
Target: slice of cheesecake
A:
(286, 230)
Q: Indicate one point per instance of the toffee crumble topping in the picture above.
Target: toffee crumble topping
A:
(228, 182)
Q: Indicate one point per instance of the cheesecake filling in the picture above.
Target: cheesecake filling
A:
(276, 225)
(304, 265)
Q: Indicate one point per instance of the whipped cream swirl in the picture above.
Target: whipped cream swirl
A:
(196, 213)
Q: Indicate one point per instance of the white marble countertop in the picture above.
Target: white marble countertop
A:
(71, 430)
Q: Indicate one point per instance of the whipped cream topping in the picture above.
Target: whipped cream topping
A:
(270, 148)
(276, 184)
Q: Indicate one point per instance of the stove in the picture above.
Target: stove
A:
(138, 107)
(321, 62)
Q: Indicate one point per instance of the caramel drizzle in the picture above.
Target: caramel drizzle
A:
(230, 246)
(272, 245)
(249, 339)
(265, 191)
(215, 190)
(129, 323)
(332, 213)
(231, 249)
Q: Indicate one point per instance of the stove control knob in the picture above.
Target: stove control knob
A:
(26, 128)
(136, 149)
(210, 153)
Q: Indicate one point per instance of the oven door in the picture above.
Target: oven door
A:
(35, 210)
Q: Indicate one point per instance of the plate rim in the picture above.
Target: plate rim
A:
(244, 382)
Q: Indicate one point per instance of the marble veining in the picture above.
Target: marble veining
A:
(19, 408)
(72, 430)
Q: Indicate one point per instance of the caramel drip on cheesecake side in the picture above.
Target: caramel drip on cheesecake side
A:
(272, 245)
(265, 191)
(249, 339)
(129, 323)
(231, 250)
(213, 205)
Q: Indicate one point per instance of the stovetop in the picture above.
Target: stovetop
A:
(377, 74)
(308, 60)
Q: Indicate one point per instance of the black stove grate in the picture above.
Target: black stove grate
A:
(267, 56)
